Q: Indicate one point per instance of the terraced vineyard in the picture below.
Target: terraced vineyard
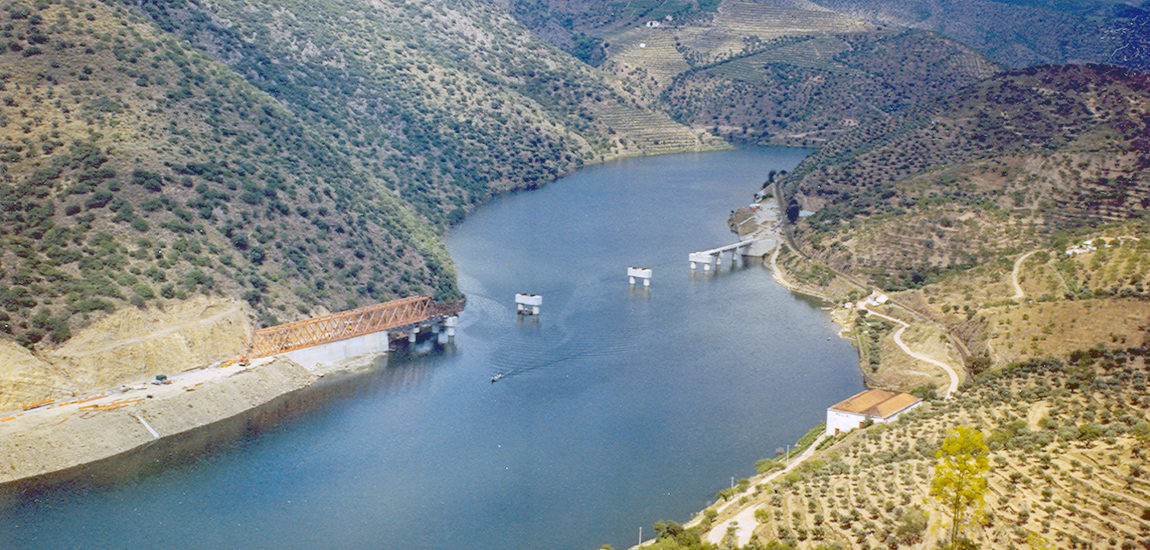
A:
(646, 59)
(737, 29)
(653, 132)
(813, 53)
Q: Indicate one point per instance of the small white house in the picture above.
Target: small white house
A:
(877, 298)
(875, 405)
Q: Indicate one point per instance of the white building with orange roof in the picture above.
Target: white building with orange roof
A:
(874, 405)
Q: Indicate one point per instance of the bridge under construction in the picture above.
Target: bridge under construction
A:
(374, 325)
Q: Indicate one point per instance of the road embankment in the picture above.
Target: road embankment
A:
(71, 434)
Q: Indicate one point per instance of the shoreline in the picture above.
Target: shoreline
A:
(60, 437)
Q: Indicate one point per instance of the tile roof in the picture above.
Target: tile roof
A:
(877, 403)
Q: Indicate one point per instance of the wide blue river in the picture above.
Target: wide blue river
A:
(617, 407)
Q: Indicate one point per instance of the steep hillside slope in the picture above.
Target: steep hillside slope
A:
(447, 101)
(784, 72)
(1020, 33)
(1001, 164)
(806, 90)
(137, 171)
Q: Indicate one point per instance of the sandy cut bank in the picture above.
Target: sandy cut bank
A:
(107, 424)
(126, 346)
(138, 376)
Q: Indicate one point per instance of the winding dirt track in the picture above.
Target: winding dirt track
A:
(953, 386)
(1018, 292)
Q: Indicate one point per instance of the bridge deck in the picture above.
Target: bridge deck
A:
(393, 315)
(729, 247)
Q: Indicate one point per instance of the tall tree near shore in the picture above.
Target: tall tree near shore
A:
(959, 479)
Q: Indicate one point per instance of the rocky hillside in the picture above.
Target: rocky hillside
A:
(999, 166)
(303, 158)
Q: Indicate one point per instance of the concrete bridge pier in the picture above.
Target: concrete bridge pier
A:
(449, 324)
(639, 273)
(705, 258)
(528, 304)
(445, 329)
(413, 335)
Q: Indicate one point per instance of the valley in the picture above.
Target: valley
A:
(195, 170)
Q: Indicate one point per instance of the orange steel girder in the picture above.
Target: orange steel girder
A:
(347, 324)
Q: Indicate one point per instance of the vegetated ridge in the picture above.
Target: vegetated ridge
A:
(782, 72)
(806, 90)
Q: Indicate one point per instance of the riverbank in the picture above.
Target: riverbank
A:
(65, 435)
(81, 431)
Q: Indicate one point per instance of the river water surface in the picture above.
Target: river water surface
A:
(616, 407)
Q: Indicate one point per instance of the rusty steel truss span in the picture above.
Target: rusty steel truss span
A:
(388, 316)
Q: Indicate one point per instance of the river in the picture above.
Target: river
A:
(616, 407)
